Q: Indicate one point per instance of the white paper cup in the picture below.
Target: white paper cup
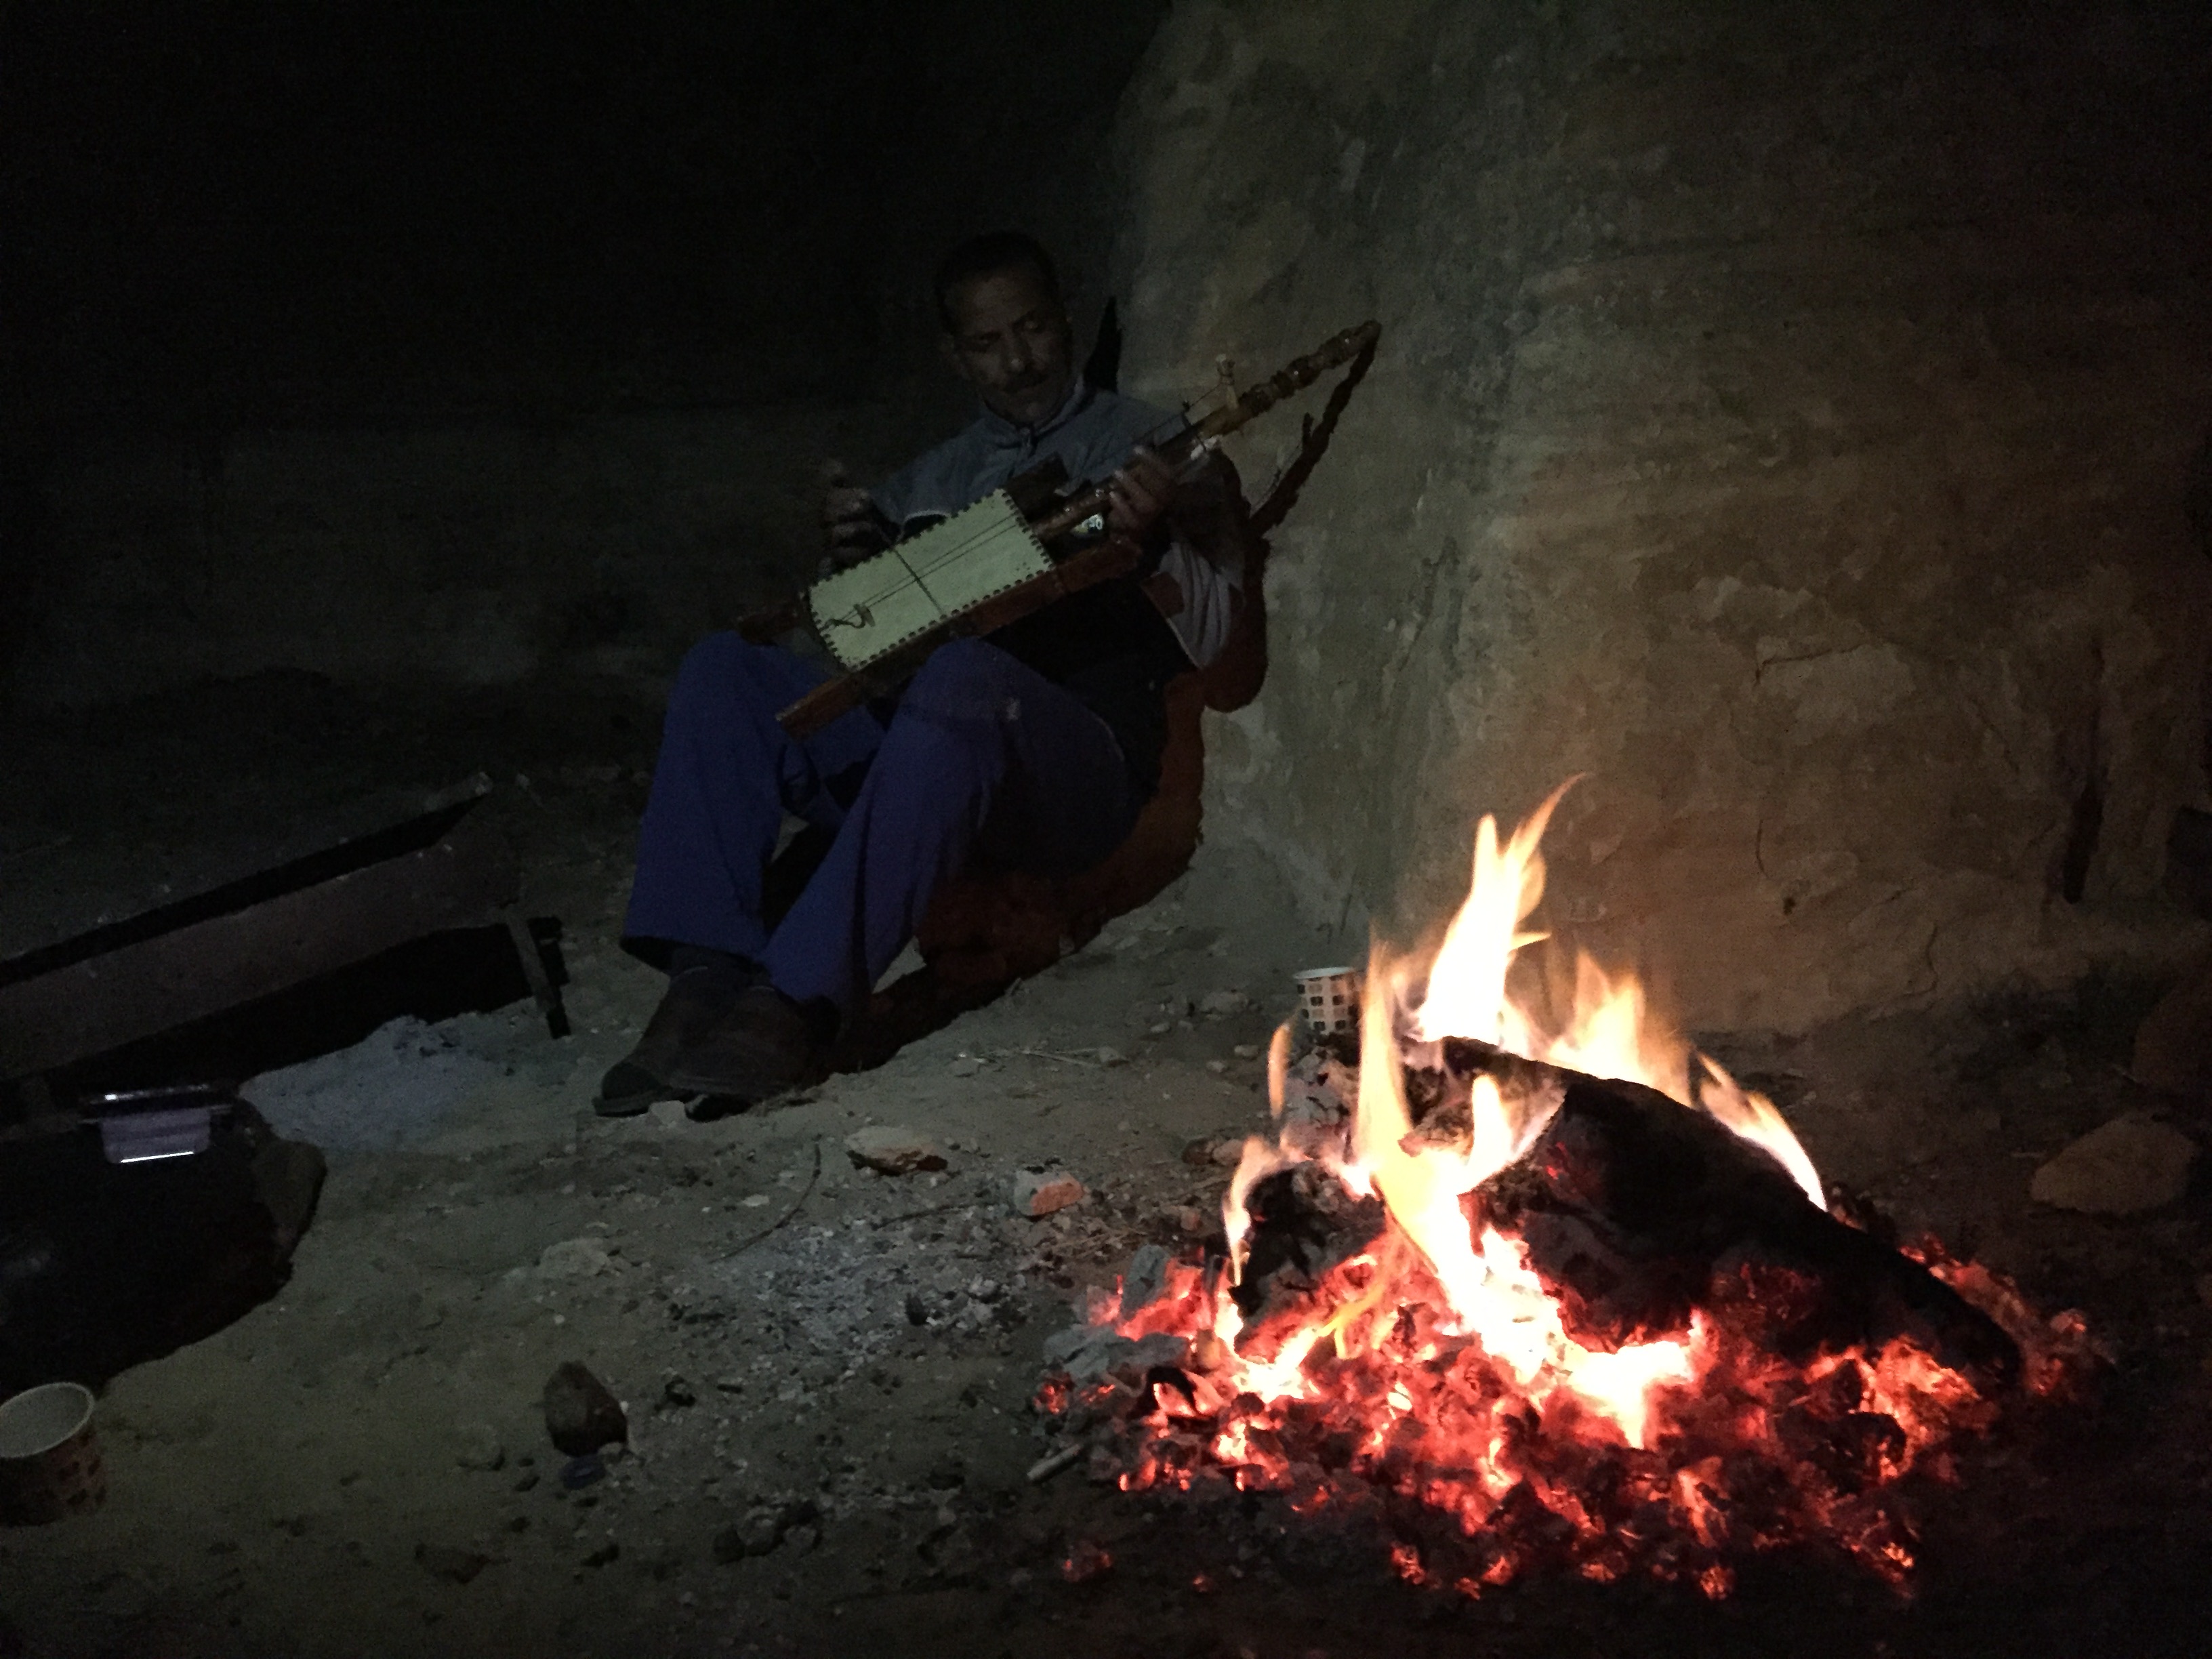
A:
(1329, 998)
(50, 1466)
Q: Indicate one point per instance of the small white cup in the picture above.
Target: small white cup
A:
(1329, 999)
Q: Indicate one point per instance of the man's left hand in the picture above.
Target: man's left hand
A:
(1138, 496)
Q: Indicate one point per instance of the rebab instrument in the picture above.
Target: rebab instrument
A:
(1014, 552)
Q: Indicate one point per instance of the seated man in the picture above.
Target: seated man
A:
(1035, 748)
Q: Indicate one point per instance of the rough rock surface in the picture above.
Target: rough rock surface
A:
(2129, 1165)
(889, 1150)
(1787, 425)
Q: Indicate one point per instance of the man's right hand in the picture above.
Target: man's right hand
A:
(853, 529)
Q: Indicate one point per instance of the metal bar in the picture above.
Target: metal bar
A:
(465, 879)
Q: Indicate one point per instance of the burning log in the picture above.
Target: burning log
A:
(1639, 1214)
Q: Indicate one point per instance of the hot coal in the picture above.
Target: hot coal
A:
(1800, 1369)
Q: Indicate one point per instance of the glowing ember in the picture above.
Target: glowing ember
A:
(1502, 1418)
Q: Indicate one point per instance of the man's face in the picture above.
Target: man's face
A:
(1011, 341)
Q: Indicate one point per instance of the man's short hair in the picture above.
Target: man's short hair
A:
(988, 255)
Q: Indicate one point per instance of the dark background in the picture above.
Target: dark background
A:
(226, 219)
(257, 211)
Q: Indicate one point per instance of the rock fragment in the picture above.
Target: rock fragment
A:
(581, 1415)
(1217, 1004)
(765, 1526)
(890, 1149)
(1053, 1462)
(2130, 1165)
(478, 1447)
(574, 1258)
(1143, 1280)
(1040, 1192)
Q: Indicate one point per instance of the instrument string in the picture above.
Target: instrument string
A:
(905, 574)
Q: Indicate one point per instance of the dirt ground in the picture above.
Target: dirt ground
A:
(827, 1372)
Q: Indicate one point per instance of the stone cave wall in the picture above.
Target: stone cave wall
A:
(1785, 418)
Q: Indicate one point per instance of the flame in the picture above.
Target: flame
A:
(1438, 1349)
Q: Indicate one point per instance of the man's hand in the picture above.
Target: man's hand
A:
(1138, 496)
(852, 528)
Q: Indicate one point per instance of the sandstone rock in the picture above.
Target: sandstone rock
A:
(966, 1066)
(2130, 1165)
(1040, 1192)
(1717, 698)
(890, 1149)
(1218, 1004)
(581, 1414)
(1112, 1057)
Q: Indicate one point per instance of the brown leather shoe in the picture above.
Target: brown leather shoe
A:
(764, 1044)
(695, 1000)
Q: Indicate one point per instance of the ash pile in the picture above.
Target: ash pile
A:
(1639, 1346)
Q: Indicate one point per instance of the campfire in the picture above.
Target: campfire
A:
(1526, 1283)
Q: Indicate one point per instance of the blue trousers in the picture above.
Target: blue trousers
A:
(981, 755)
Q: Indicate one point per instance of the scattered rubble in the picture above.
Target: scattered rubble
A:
(581, 1415)
(2132, 1164)
(890, 1149)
